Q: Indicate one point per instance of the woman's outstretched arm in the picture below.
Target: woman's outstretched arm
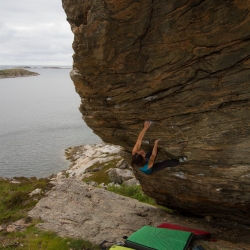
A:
(140, 137)
(153, 155)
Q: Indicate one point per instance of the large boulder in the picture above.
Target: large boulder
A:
(186, 66)
(74, 209)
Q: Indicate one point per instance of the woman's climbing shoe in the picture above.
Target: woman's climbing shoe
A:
(182, 159)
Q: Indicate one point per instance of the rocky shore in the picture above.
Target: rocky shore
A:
(11, 73)
(79, 207)
(101, 159)
(79, 204)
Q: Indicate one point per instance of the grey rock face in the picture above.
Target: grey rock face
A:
(76, 209)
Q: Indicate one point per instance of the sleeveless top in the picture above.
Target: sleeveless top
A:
(145, 169)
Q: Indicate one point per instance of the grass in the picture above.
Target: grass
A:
(134, 192)
(101, 176)
(15, 203)
(33, 238)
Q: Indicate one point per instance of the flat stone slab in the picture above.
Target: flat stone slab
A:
(78, 210)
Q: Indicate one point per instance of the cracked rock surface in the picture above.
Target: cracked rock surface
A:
(184, 65)
(78, 210)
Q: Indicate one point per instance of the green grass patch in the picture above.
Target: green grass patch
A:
(101, 176)
(132, 192)
(33, 238)
(15, 201)
(136, 192)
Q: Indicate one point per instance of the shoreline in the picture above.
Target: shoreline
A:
(81, 158)
(18, 76)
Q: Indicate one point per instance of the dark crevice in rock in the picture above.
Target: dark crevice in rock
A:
(234, 103)
(191, 7)
(153, 95)
(148, 26)
(80, 19)
(193, 113)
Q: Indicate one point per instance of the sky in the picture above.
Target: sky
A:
(34, 32)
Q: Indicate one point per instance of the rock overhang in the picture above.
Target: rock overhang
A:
(185, 66)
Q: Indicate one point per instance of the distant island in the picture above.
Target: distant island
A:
(55, 67)
(48, 67)
(10, 73)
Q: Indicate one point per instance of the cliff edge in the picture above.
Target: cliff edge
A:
(184, 65)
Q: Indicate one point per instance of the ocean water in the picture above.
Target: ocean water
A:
(39, 119)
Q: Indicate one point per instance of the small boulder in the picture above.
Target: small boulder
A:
(96, 169)
(132, 182)
(122, 164)
(117, 175)
(103, 185)
(36, 191)
(15, 182)
(92, 183)
(208, 218)
(18, 226)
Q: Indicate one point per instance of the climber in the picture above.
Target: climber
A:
(146, 161)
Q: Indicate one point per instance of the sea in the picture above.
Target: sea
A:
(39, 119)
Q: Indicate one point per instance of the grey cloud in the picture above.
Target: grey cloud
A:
(34, 32)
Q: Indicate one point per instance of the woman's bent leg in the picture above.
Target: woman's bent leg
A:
(165, 164)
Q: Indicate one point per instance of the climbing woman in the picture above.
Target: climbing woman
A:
(146, 161)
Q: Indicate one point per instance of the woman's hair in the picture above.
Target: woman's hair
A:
(137, 160)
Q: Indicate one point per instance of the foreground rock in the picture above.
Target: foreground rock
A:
(10, 73)
(75, 209)
(184, 65)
